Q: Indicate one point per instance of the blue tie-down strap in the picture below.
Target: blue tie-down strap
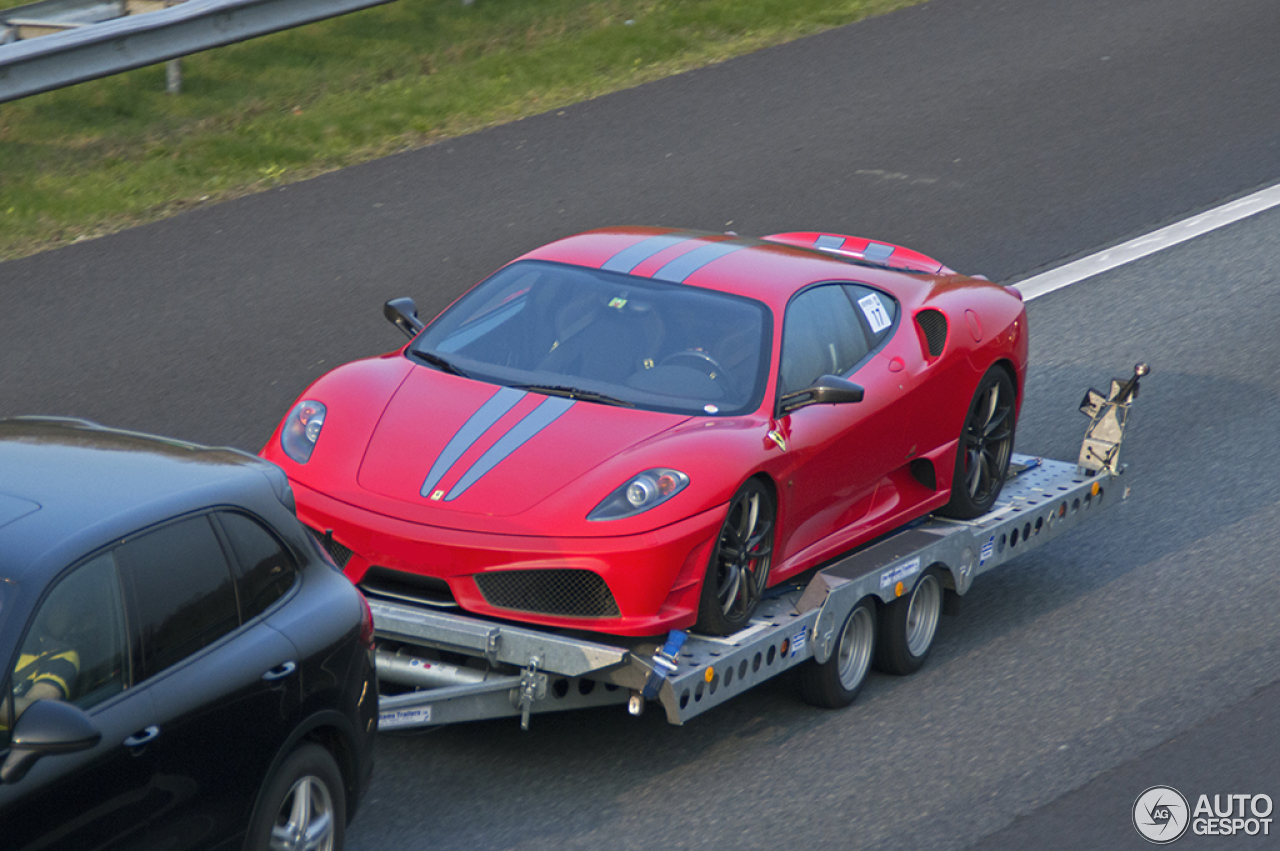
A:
(664, 663)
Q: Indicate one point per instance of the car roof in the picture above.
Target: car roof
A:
(768, 271)
(69, 486)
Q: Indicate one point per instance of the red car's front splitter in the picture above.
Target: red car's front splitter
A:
(654, 578)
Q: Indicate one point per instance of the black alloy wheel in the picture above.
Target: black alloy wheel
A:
(986, 446)
(739, 568)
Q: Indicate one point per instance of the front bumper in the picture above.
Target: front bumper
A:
(631, 585)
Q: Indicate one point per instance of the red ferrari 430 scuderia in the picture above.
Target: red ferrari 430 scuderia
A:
(638, 429)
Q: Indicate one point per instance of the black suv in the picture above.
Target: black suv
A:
(180, 664)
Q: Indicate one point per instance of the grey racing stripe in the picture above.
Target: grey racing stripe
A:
(878, 252)
(829, 241)
(479, 422)
(629, 258)
(523, 431)
(686, 264)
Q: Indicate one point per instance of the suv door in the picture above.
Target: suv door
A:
(100, 797)
(225, 693)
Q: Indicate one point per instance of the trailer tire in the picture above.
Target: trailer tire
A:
(835, 683)
(304, 800)
(908, 626)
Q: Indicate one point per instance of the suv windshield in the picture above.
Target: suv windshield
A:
(606, 337)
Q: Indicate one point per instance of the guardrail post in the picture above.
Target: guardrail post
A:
(173, 76)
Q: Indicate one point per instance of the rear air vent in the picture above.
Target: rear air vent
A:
(934, 326)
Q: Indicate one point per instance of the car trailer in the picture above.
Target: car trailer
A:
(879, 604)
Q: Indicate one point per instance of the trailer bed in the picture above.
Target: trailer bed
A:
(518, 670)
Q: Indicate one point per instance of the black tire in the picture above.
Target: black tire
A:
(738, 571)
(986, 445)
(908, 626)
(303, 806)
(836, 682)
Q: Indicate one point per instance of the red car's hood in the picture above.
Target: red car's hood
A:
(446, 445)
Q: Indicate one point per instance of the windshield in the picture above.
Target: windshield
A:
(612, 338)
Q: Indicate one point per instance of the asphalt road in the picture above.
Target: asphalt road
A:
(1002, 137)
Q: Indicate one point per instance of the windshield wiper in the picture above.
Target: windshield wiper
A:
(574, 393)
(438, 362)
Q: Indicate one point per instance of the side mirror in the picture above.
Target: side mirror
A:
(47, 727)
(403, 314)
(827, 390)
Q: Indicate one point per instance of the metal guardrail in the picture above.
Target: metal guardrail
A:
(59, 43)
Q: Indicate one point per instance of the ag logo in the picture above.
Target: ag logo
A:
(1160, 814)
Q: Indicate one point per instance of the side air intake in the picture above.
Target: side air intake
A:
(567, 592)
(934, 326)
(340, 554)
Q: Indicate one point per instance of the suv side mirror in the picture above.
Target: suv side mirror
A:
(827, 390)
(47, 727)
(403, 313)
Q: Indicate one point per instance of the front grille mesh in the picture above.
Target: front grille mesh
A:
(934, 326)
(565, 592)
(337, 552)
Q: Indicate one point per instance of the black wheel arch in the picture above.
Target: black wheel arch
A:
(334, 732)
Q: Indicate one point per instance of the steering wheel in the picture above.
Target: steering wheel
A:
(699, 360)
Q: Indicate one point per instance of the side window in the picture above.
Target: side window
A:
(821, 335)
(182, 588)
(267, 568)
(76, 646)
(876, 312)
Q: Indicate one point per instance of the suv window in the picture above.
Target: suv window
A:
(267, 568)
(182, 589)
(829, 329)
(76, 646)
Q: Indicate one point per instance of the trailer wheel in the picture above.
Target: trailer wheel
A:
(836, 682)
(908, 625)
(739, 568)
(986, 446)
(302, 806)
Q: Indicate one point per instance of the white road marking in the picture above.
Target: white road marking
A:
(1136, 249)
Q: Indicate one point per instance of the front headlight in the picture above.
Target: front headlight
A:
(301, 428)
(642, 492)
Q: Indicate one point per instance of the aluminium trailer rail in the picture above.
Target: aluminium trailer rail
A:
(438, 667)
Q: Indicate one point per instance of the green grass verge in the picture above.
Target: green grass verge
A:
(101, 156)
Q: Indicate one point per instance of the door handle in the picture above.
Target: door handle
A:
(279, 672)
(139, 739)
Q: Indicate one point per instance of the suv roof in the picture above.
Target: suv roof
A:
(67, 486)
